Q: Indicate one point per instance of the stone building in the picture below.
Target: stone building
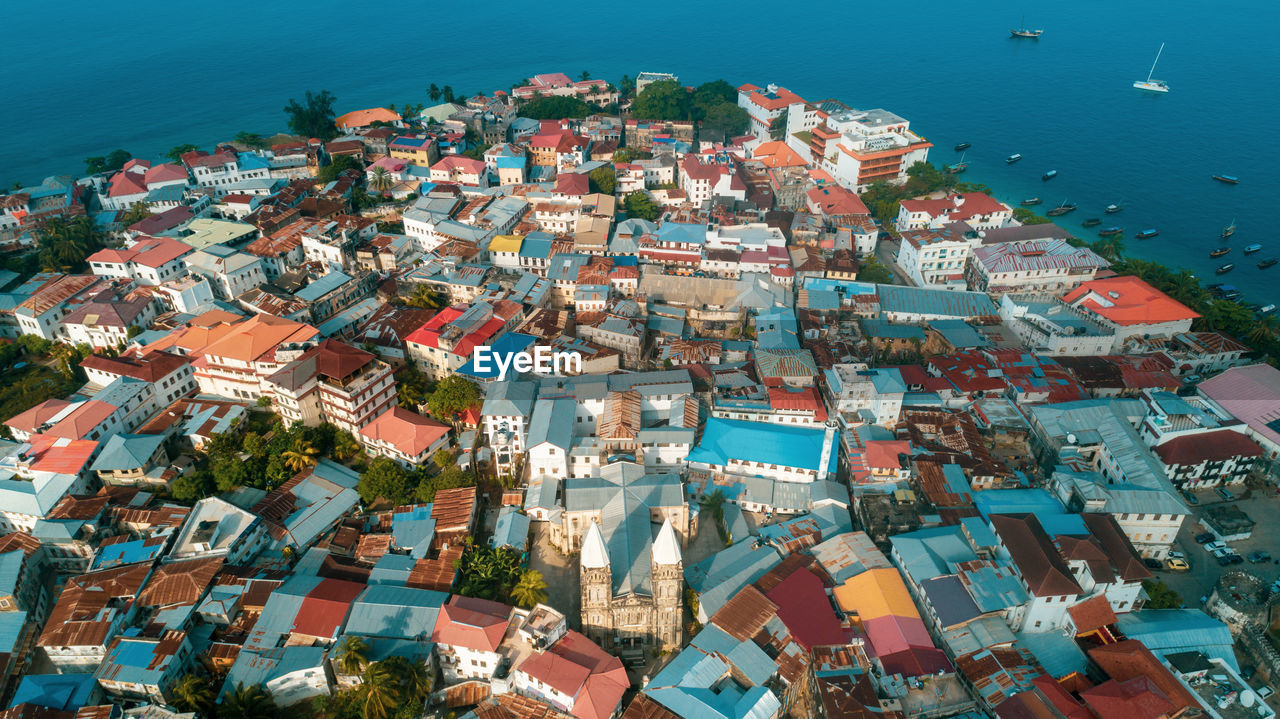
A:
(632, 586)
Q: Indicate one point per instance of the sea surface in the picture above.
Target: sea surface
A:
(83, 78)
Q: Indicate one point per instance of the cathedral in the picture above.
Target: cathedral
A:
(632, 584)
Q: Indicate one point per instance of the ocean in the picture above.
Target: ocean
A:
(84, 78)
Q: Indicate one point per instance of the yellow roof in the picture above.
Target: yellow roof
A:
(506, 243)
(876, 593)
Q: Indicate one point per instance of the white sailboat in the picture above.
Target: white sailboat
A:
(1153, 85)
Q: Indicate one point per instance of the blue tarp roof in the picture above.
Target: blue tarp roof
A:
(763, 442)
(56, 691)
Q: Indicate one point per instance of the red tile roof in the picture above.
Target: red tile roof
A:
(836, 200)
(149, 367)
(405, 430)
(1037, 559)
(325, 607)
(957, 208)
(364, 118)
(1134, 698)
(1128, 301)
(477, 624)
(1092, 614)
(1130, 659)
(1216, 446)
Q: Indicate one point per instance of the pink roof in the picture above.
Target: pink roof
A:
(472, 623)
(406, 431)
(155, 252)
(836, 200)
(458, 162)
(915, 662)
(429, 333)
(1251, 394)
(82, 420)
(572, 183)
(804, 608)
(126, 183)
(32, 419)
(576, 667)
(890, 633)
(883, 453)
(390, 164)
(166, 172)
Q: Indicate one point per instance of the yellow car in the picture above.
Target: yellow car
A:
(1178, 565)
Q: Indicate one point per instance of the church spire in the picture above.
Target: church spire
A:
(666, 548)
(594, 554)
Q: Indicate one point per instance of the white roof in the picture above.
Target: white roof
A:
(666, 548)
(594, 555)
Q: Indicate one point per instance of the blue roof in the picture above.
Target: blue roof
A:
(682, 232)
(512, 529)
(392, 569)
(127, 451)
(384, 610)
(135, 661)
(1057, 653)
(11, 624)
(883, 328)
(959, 333)
(937, 303)
(538, 247)
(64, 692)
(746, 656)
(552, 422)
(132, 552)
(1169, 631)
(322, 286)
(510, 163)
(722, 575)
(413, 529)
(725, 439)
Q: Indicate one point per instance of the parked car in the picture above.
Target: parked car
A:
(1177, 565)
(1215, 547)
(1190, 497)
(1259, 557)
(1235, 558)
(1264, 691)
(1225, 493)
(1203, 538)
(1225, 559)
(1175, 554)
(1152, 563)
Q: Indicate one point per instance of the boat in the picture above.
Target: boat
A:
(1220, 252)
(1225, 268)
(1031, 201)
(1232, 295)
(1012, 158)
(1145, 234)
(1091, 222)
(1049, 175)
(1026, 32)
(1109, 231)
(1153, 85)
(1112, 209)
(1227, 179)
(1269, 262)
(959, 167)
(963, 146)
(1266, 309)
(1062, 209)
(1255, 247)
(1230, 229)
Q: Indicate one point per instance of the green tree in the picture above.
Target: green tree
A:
(113, 161)
(176, 152)
(1160, 596)
(726, 119)
(778, 127)
(254, 444)
(382, 691)
(630, 154)
(413, 678)
(381, 179)
(1027, 217)
(247, 702)
(487, 572)
(530, 590)
(1264, 329)
(301, 455)
(340, 164)
(603, 180)
(138, 212)
(194, 693)
(662, 100)
(433, 92)
(640, 205)
(444, 459)
(62, 245)
(626, 86)
(452, 395)
(555, 107)
(447, 92)
(584, 75)
(384, 479)
(191, 487)
(345, 447)
(873, 271)
(231, 473)
(451, 478)
(251, 139)
(314, 116)
(714, 93)
(424, 297)
(412, 387)
(352, 655)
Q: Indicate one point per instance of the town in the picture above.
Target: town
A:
(595, 400)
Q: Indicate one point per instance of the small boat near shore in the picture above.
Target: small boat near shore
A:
(1266, 309)
(1112, 209)
(1255, 247)
(1230, 229)
(963, 146)
(1012, 158)
(1062, 209)
(1049, 175)
(1031, 201)
(1147, 234)
(1224, 269)
(958, 168)
(1229, 179)
(1220, 252)
(1109, 231)
(1091, 222)
(1269, 262)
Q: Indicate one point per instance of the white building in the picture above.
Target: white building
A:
(229, 272)
(862, 394)
(977, 210)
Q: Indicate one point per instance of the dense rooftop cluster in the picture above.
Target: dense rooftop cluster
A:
(272, 432)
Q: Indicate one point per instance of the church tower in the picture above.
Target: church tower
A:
(666, 576)
(597, 587)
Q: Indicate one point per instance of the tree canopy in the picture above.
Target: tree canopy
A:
(452, 395)
(662, 100)
(109, 163)
(555, 107)
(385, 479)
(176, 152)
(314, 116)
(640, 205)
(603, 180)
(62, 245)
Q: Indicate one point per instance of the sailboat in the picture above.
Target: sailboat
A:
(1153, 85)
(1024, 31)
(959, 167)
(1230, 229)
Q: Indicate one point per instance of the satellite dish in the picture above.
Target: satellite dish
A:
(1247, 698)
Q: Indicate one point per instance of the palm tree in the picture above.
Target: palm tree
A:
(530, 590)
(193, 693)
(247, 702)
(433, 92)
(382, 691)
(414, 680)
(352, 655)
(345, 446)
(302, 455)
(584, 75)
(381, 179)
(1265, 329)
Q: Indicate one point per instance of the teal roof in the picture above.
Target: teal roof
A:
(393, 612)
(512, 529)
(322, 286)
(1169, 631)
(63, 692)
(552, 422)
(127, 451)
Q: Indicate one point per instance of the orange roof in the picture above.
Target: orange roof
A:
(248, 341)
(778, 100)
(876, 593)
(882, 453)
(1128, 301)
(364, 118)
(199, 333)
(406, 431)
(777, 154)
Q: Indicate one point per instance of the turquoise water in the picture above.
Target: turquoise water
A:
(84, 78)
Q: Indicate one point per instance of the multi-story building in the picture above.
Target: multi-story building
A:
(229, 272)
(91, 610)
(247, 353)
(702, 181)
(148, 261)
(445, 342)
(1036, 266)
(857, 147)
(460, 170)
(863, 394)
(976, 209)
(936, 258)
(42, 313)
(223, 168)
(467, 636)
(765, 105)
(332, 382)
(1131, 308)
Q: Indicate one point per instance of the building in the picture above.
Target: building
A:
(1131, 308)
(1209, 459)
(405, 436)
(632, 585)
(862, 394)
(764, 105)
(91, 611)
(229, 272)
(1051, 266)
(446, 341)
(1251, 394)
(148, 261)
(936, 258)
(855, 147)
(468, 634)
(332, 382)
(239, 361)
